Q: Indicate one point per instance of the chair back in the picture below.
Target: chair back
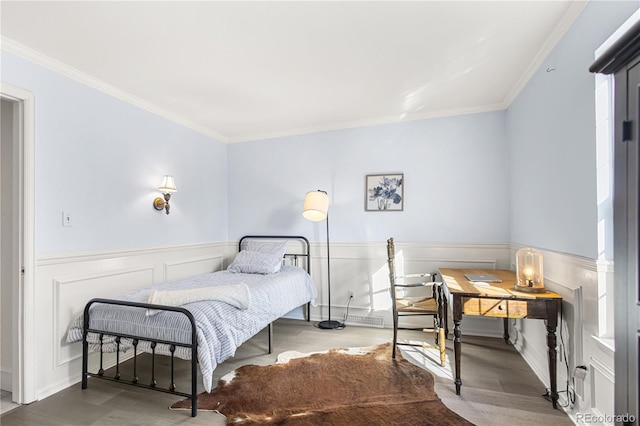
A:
(408, 303)
(391, 254)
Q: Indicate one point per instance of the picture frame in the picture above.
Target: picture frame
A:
(384, 192)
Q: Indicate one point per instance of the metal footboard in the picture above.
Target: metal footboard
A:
(154, 342)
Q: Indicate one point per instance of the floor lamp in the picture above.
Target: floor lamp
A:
(316, 208)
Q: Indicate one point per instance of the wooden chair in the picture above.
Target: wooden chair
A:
(404, 305)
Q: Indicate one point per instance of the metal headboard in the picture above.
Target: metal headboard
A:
(294, 256)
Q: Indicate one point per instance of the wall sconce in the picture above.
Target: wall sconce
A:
(529, 271)
(167, 187)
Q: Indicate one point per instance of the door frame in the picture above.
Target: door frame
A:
(620, 58)
(24, 312)
(625, 236)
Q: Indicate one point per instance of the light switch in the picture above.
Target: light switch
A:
(66, 219)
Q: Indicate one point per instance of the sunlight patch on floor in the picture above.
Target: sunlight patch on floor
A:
(427, 358)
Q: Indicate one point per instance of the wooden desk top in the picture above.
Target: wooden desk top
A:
(457, 283)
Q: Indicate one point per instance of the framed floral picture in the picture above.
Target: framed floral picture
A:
(384, 193)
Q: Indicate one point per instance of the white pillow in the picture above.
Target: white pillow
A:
(270, 247)
(253, 262)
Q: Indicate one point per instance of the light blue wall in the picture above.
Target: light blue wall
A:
(101, 159)
(551, 139)
(456, 182)
(526, 175)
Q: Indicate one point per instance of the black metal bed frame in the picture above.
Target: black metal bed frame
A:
(193, 346)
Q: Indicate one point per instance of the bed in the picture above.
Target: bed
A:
(266, 280)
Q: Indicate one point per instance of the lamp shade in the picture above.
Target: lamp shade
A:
(316, 205)
(168, 185)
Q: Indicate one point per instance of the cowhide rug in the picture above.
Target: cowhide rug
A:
(338, 387)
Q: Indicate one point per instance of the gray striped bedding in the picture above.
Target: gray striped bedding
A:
(221, 328)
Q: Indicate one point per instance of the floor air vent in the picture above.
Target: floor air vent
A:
(369, 321)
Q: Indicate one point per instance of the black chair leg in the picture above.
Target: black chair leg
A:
(395, 340)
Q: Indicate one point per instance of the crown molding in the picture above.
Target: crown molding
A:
(54, 65)
(38, 58)
(394, 119)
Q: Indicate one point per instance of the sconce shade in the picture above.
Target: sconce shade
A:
(529, 271)
(168, 185)
(316, 205)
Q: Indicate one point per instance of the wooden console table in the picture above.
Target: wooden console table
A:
(500, 300)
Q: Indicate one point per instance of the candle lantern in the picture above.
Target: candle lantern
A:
(529, 271)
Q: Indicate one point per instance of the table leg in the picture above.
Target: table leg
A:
(506, 330)
(457, 341)
(456, 350)
(552, 323)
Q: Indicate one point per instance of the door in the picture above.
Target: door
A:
(8, 246)
(22, 265)
(622, 58)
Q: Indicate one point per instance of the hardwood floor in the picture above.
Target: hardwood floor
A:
(498, 386)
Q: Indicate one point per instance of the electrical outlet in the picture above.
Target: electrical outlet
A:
(580, 372)
(351, 294)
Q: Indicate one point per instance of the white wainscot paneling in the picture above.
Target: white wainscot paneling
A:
(71, 295)
(576, 279)
(602, 388)
(188, 267)
(362, 269)
(67, 282)
(530, 337)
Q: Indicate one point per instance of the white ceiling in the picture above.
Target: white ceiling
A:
(242, 71)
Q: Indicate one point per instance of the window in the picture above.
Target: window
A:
(604, 174)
